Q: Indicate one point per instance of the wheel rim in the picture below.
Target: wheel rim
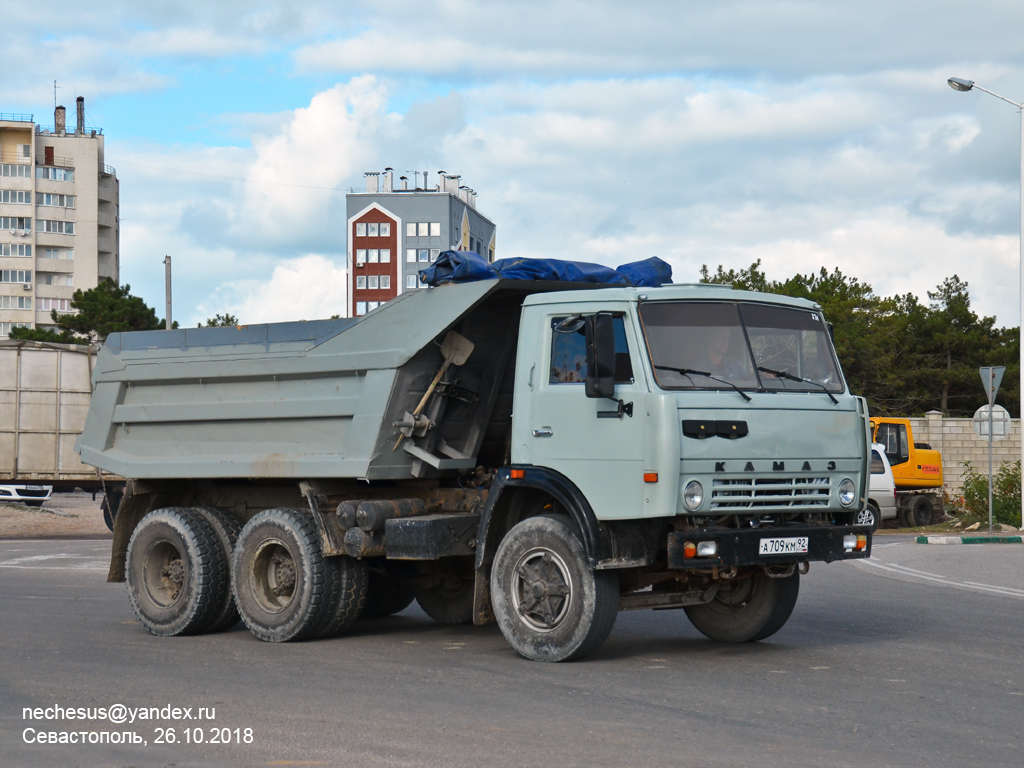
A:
(272, 576)
(164, 573)
(866, 517)
(732, 596)
(542, 589)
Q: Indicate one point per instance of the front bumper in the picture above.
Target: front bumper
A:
(740, 547)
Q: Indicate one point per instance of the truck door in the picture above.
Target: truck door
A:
(584, 438)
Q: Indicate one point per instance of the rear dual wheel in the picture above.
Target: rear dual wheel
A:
(285, 588)
(177, 573)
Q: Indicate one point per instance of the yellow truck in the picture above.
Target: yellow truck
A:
(916, 468)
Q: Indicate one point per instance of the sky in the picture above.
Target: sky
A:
(806, 134)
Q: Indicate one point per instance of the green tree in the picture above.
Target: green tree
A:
(107, 308)
(219, 321)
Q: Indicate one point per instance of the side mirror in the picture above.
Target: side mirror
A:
(600, 334)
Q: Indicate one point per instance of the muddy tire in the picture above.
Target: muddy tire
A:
(284, 587)
(450, 601)
(347, 581)
(549, 604)
(869, 516)
(176, 573)
(386, 596)
(921, 512)
(226, 528)
(747, 610)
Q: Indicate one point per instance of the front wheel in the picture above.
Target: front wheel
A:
(748, 609)
(549, 604)
(921, 512)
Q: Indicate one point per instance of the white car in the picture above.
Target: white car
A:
(881, 492)
(33, 495)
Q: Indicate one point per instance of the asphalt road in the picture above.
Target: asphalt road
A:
(913, 659)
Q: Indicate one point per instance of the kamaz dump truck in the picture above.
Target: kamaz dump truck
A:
(539, 454)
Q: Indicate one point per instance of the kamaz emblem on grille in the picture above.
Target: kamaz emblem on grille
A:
(777, 466)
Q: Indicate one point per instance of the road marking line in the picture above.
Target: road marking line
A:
(1009, 590)
(915, 571)
(1001, 591)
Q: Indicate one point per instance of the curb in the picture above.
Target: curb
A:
(970, 540)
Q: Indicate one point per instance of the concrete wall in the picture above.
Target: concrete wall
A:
(956, 441)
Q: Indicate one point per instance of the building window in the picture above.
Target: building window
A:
(45, 305)
(372, 255)
(360, 308)
(385, 282)
(16, 171)
(15, 302)
(5, 328)
(434, 253)
(15, 196)
(361, 256)
(385, 255)
(53, 278)
(15, 275)
(24, 223)
(424, 229)
(435, 229)
(385, 229)
(420, 282)
(360, 282)
(15, 249)
(55, 174)
(411, 282)
(423, 254)
(57, 201)
(372, 229)
(410, 255)
(372, 305)
(55, 227)
(361, 230)
(373, 282)
(410, 229)
(58, 253)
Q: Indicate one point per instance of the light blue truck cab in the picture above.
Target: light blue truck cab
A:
(542, 455)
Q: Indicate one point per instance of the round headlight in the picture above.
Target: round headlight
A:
(693, 495)
(847, 492)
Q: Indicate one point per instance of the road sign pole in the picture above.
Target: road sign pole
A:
(991, 378)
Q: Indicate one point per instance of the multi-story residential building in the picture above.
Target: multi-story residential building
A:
(58, 216)
(394, 233)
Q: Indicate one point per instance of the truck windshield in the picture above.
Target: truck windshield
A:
(725, 345)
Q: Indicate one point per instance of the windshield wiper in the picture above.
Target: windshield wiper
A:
(791, 377)
(690, 371)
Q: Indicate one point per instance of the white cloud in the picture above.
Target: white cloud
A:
(310, 287)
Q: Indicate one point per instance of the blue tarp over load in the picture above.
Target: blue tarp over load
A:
(467, 266)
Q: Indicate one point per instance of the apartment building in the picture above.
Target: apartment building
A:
(58, 216)
(395, 232)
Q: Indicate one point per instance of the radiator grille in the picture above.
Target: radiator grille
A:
(760, 492)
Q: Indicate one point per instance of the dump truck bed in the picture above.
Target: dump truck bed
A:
(311, 399)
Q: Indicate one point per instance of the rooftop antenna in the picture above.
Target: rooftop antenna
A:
(54, 94)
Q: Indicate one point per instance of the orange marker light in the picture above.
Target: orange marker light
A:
(862, 542)
(517, 474)
(689, 550)
(650, 477)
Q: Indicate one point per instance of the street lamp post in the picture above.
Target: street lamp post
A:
(959, 84)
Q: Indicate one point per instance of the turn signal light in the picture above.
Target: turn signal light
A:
(650, 477)
(862, 542)
(517, 474)
(689, 550)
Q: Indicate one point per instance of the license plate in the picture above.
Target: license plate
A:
(795, 545)
(34, 488)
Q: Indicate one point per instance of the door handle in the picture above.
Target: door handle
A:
(543, 432)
